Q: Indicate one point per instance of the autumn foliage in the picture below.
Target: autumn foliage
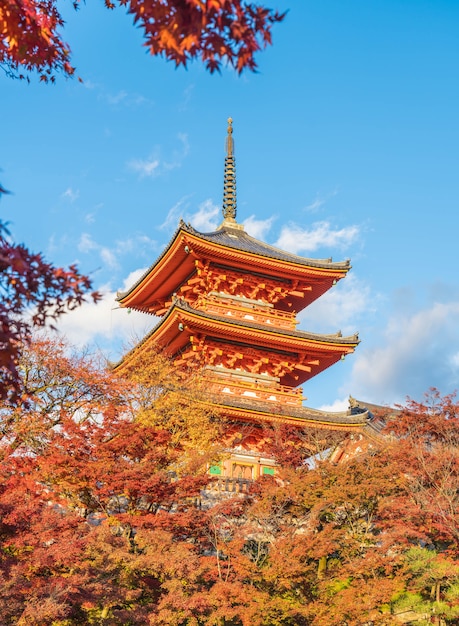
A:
(32, 293)
(30, 38)
(88, 495)
(105, 515)
(180, 30)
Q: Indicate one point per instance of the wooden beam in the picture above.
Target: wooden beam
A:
(303, 368)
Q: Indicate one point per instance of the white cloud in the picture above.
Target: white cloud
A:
(178, 155)
(205, 218)
(155, 164)
(105, 324)
(132, 278)
(315, 205)
(208, 217)
(336, 406)
(122, 98)
(318, 202)
(88, 84)
(183, 138)
(296, 239)
(87, 243)
(174, 214)
(258, 228)
(117, 97)
(420, 351)
(109, 258)
(71, 194)
(145, 240)
(145, 167)
(340, 308)
(186, 97)
(139, 243)
(90, 217)
(139, 246)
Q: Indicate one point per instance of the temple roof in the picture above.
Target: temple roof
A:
(182, 306)
(242, 407)
(181, 321)
(234, 236)
(229, 246)
(334, 338)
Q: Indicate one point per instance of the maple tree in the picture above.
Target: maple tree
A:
(98, 509)
(326, 519)
(33, 292)
(370, 540)
(427, 435)
(432, 427)
(180, 30)
(176, 402)
(103, 517)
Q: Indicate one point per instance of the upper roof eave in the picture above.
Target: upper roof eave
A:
(237, 239)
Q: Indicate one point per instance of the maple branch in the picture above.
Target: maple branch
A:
(215, 31)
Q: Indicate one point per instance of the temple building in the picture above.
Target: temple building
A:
(228, 303)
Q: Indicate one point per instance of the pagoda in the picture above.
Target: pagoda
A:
(228, 303)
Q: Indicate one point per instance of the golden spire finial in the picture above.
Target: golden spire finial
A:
(229, 182)
(229, 138)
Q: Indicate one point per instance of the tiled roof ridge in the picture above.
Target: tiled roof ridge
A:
(276, 253)
(284, 411)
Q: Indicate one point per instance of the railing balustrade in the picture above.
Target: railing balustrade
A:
(226, 484)
(260, 391)
(232, 308)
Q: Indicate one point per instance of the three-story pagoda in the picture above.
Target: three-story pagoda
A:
(229, 304)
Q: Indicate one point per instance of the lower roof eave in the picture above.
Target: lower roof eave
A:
(290, 415)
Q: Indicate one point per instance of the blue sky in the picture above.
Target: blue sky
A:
(346, 146)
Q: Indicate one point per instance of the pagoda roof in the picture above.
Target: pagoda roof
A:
(174, 329)
(232, 235)
(231, 247)
(246, 409)
(334, 338)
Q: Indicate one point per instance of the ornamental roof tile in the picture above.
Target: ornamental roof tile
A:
(236, 237)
